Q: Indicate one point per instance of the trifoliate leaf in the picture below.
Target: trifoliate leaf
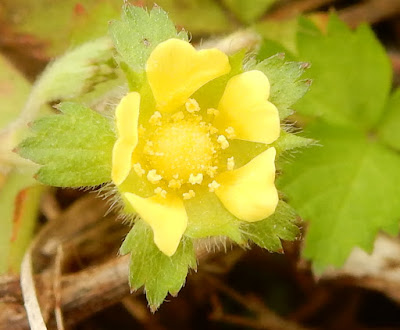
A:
(74, 148)
(149, 267)
(268, 233)
(286, 86)
(352, 74)
(389, 129)
(139, 32)
(248, 11)
(347, 189)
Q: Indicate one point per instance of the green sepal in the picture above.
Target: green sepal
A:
(139, 32)
(268, 233)
(287, 87)
(289, 141)
(208, 217)
(152, 269)
(74, 148)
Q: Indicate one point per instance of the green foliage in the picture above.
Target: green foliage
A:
(352, 74)
(269, 232)
(67, 23)
(13, 92)
(74, 148)
(149, 267)
(19, 206)
(286, 86)
(139, 32)
(348, 187)
(389, 129)
(200, 17)
(248, 11)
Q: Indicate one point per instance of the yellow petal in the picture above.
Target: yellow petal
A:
(249, 192)
(166, 216)
(244, 107)
(126, 114)
(175, 70)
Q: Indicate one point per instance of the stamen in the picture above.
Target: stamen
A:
(190, 194)
(196, 179)
(153, 177)
(160, 191)
(192, 106)
(230, 163)
(213, 186)
(175, 184)
(223, 142)
(155, 119)
(178, 116)
(212, 111)
(211, 170)
(230, 131)
(138, 169)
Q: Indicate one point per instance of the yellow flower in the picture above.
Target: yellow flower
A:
(170, 148)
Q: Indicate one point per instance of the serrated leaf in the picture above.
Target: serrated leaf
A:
(74, 148)
(286, 86)
(139, 32)
(348, 190)
(352, 74)
(248, 11)
(268, 233)
(389, 128)
(149, 267)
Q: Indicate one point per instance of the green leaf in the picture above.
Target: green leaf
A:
(74, 148)
(286, 86)
(268, 233)
(348, 190)
(389, 129)
(352, 74)
(139, 32)
(248, 11)
(149, 267)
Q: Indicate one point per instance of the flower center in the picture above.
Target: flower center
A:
(181, 150)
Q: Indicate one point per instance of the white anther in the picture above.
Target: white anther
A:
(213, 186)
(192, 106)
(230, 131)
(178, 116)
(196, 179)
(223, 141)
(160, 191)
(230, 164)
(212, 111)
(138, 169)
(155, 119)
(211, 170)
(153, 177)
(190, 194)
(175, 184)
